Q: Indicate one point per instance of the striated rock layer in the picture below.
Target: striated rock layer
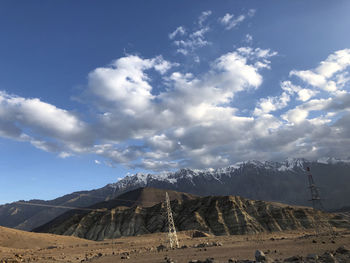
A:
(218, 215)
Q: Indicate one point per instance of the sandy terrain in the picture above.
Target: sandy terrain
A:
(19, 246)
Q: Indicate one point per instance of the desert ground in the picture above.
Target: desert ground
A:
(20, 246)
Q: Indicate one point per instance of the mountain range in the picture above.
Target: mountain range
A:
(270, 181)
(215, 215)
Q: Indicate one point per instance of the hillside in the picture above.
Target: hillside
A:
(270, 181)
(13, 238)
(217, 215)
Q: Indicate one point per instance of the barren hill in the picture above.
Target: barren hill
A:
(218, 215)
(13, 238)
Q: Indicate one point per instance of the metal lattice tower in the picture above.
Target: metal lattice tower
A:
(316, 202)
(315, 194)
(172, 231)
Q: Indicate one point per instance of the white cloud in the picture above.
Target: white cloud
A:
(179, 31)
(248, 38)
(158, 115)
(251, 12)
(187, 42)
(270, 104)
(324, 76)
(194, 41)
(229, 20)
(41, 116)
(21, 117)
(306, 94)
(204, 17)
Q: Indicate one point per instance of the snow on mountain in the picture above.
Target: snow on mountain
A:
(143, 179)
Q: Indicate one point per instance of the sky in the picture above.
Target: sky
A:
(91, 91)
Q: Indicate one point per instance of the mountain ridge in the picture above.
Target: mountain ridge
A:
(216, 215)
(271, 181)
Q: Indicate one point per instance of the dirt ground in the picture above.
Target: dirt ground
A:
(33, 247)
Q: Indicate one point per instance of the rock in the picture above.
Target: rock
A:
(260, 256)
(161, 248)
(313, 257)
(342, 250)
(328, 258)
(293, 259)
(198, 233)
(314, 241)
(231, 260)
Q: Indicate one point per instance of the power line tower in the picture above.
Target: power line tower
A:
(315, 194)
(316, 203)
(172, 231)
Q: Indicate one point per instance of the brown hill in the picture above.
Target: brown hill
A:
(218, 215)
(143, 197)
(13, 238)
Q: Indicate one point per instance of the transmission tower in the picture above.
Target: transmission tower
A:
(172, 231)
(316, 202)
(315, 194)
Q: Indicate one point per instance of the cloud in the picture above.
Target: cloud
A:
(187, 42)
(251, 12)
(229, 20)
(20, 117)
(186, 124)
(329, 75)
(270, 104)
(194, 41)
(179, 31)
(248, 39)
(204, 16)
(155, 114)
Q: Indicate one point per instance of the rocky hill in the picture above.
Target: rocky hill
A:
(270, 181)
(24, 215)
(217, 215)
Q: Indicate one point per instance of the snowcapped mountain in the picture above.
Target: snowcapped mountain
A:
(190, 175)
(269, 181)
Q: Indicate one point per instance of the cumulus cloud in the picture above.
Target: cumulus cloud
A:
(33, 121)
(329, 75)
(193, 119)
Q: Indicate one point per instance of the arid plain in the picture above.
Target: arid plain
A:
(19, 246)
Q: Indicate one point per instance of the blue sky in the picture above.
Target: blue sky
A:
(91, 91)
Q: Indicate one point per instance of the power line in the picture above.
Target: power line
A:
(63, 207)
